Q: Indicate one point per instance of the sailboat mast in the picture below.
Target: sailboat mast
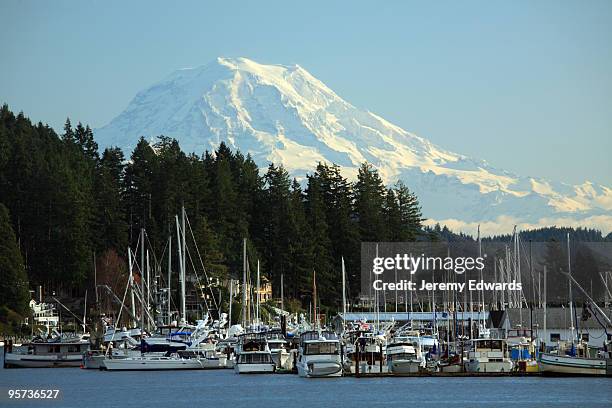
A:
(544, 296)
(257, 294)
(148, 288)
(131, 289)
(314, 291)
(231, 299)
(244, 284)
(571, 299)
(183, 270)
(169, 279)
(282, 292)
(344, 291)
(142, 288)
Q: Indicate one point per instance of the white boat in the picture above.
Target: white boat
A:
(253, 355)
(319, 355)
(40, 354)
(405, 354)
(575, 361)
(278, 348)
(488, 356)
(554, 364)
(151, 363)
(94, 359)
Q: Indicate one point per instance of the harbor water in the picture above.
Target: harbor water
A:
(222, 388)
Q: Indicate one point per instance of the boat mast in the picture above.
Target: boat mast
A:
(131, 284)
(231, 298)
(544, 305)
(184, 262)
(148, 290)
(244, 283)
(571, 299)
(282, 293)
(181, 267)
(344, 292)
(314, 295)
(169, 279)
(142, 291)
(257, 294)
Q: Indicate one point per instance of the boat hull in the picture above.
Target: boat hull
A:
(405, 366)
(254, 368)
(319, 369)
(451, 368)
(12, 360)
(552, 364)
(128, 364)
(476, 366)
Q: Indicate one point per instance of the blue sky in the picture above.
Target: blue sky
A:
(526, 85)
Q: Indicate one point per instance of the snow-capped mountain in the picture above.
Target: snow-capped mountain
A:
(283, 114)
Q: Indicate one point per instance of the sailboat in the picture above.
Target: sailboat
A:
(253, 355)
(574, 358)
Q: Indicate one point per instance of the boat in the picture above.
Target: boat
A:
(278, 348)
(154, 363)
(253, 355)
(451, 364)
(319, 355)
(488, 356)
(43, 354)
(405, 354)
(577, 360)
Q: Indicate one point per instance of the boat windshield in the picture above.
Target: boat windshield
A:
(488, 344)
(330, 347)
(254, 358)
(401, 356)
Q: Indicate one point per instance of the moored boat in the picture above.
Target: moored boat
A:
(319, 355)
(253, 355)
(46, 354)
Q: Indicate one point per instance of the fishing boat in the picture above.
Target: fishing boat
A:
(576, 360)
(41, 354)
(488, 356)
(319, 355)
(405, 354)
(253, 355)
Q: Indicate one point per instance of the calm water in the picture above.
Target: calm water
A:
(223, 388)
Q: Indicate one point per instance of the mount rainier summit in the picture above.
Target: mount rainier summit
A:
(285, 115)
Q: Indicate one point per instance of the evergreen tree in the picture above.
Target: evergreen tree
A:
(110, 221)
(320, 244)
(369, 204)
(13, 278)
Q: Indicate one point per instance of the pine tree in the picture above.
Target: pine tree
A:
(110, 222)
(13, 278)
(320, 245)
(369, 204)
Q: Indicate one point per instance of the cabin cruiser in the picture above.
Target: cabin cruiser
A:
(319, 355)
(488, 356)
(253, 355)
(405, 353)
(58, 352)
